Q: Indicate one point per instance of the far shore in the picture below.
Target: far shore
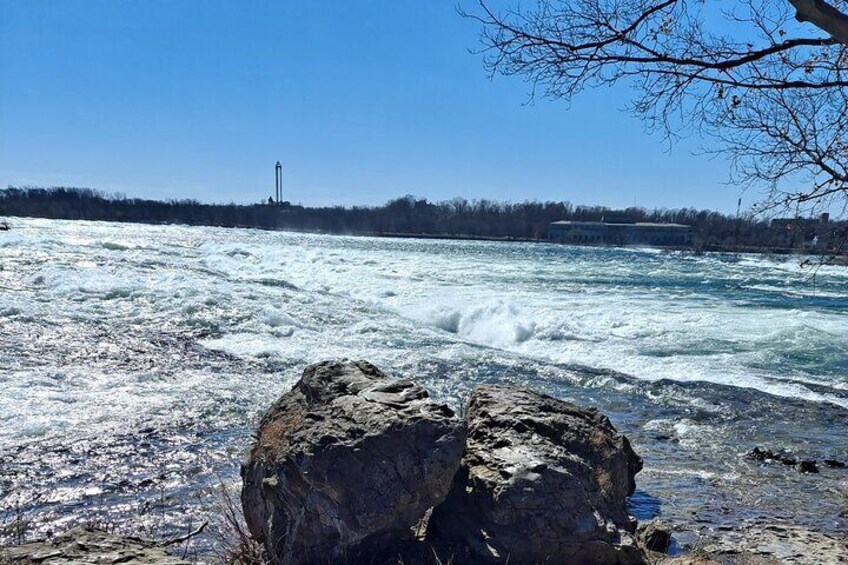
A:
(455, 219)
(840, 259)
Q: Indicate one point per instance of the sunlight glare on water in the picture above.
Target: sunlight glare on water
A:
(135, 358)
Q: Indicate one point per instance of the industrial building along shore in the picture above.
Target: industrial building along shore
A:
(620, 231)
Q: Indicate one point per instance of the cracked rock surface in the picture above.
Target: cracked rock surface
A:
(766, 543)
(542, 481)
(82, 546)
(346, 463)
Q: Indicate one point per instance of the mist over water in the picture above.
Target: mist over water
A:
(135, 360)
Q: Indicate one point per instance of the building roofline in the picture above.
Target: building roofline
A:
(640, 224)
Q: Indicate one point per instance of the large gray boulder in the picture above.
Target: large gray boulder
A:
(346, 463)
(542, 481)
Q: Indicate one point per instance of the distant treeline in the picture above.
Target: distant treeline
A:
(406, 216)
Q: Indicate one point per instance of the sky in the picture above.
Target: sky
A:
(361, 100)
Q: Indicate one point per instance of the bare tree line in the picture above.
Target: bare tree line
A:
(402, 216)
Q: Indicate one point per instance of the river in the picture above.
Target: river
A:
(135, 360)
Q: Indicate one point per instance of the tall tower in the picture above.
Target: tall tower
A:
(278, 182)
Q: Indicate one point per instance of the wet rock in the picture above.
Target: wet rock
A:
(763, 543)
(542, 481)
(88, 547)
(834, 464)
(766, 455)
(757, 454)
(346, 463)
(808, 466)
(654, 536)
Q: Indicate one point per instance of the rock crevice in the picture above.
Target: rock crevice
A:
(348, 462)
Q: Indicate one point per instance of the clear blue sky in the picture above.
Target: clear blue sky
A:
(362, 101)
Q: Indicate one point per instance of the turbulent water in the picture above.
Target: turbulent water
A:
(134, 360)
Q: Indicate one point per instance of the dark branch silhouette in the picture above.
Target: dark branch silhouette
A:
(771, 90)
(824, 16)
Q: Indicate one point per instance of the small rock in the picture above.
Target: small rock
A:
(833, 463)
(808, 466)
(654, 536)
(83, 546)
(764, 455)
(758, 454)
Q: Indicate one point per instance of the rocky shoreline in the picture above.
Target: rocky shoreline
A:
(353, 467)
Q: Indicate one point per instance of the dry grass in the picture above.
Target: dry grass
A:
(224, 538)
(14, 525)
(235, 545)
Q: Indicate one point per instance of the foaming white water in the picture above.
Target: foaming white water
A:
(499, 324)
(294, 298)
(651, 339)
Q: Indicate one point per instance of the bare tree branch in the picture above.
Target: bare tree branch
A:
(823, 16)
(771, 93)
